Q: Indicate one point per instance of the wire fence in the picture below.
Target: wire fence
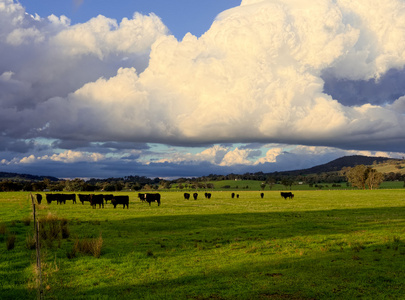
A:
(37, 247)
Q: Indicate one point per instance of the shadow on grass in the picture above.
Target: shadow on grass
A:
(338, 258)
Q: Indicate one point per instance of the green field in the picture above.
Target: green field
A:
(319, 245)
(255, 185)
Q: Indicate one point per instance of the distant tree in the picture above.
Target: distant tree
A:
(357, 176)
(374, 179)
(287, 182)
(147, 187)
(262, 185)
(270, 181)
(76, 184)
(210, 186)
(361, 176)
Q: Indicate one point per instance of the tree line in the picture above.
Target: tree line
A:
(360, 176)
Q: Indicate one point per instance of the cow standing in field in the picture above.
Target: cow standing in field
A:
(195, 195)
(124, 200)
(261, 195)
(186, 196)
(84, 198)
(50, 198)
(64, 197)
(97, 199)
(39, 198)
(286, 195)
(152, 198)
(208, 195)
(233, 195)
(108, 197)
(60, 198)
(141, 197)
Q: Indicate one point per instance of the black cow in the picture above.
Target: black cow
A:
(108, 197)
(237, 195)
(51, 197)
(124, 200)
(286, 195)
(97, 199)
(208, 195)
(141, 197)
(39, 198)
(261, 195)
(64, 197)
(195, 195)
(186, 196)
(152, 198)
(60, 198)
(84, 198)
(233, 195)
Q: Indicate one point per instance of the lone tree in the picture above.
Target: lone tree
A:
(374, 179)
(360, 176)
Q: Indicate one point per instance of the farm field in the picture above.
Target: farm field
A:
(318, 245)
(254, 185)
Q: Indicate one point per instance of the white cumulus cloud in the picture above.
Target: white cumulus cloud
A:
(256, 76)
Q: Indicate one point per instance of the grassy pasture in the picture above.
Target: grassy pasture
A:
(320, 245)
(254, 185)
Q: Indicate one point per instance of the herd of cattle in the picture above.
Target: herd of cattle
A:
(100, 199)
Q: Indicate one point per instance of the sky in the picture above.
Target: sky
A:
(98, 89)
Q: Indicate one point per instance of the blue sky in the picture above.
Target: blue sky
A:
(180, 16)
(189, 88)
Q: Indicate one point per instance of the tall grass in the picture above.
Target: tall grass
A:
(10, 241)
(90, 246)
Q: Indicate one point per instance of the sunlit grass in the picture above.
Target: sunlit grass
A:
(320, 245)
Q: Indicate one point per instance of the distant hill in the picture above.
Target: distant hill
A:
(333, 166)
(25, 177)
(338, 164)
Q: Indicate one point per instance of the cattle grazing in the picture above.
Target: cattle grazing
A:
(97, 199)
(233, 195)
(65, 197)
(108, 197)
(84, 198)
(261, 195)
(186, 196)
(39, 198)
(237, 195)
(195, 195)
(152, 198)
(50, 198)
(207, 195)
(124, 200)
(286, 195)
(141, 197)
(60, 199)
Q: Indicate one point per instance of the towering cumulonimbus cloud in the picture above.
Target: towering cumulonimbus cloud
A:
(254, 76)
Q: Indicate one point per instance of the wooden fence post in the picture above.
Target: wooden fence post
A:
(37, 248)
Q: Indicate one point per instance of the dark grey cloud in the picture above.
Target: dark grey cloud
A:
(385, 90)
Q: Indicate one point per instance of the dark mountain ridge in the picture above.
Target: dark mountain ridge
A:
(338, 164)
(25, 177)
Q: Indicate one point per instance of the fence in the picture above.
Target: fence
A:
(37, 248)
